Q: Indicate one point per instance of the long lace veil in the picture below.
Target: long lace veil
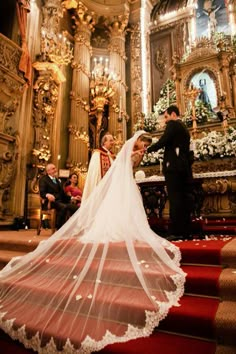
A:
(104, 277)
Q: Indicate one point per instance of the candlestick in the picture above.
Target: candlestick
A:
(120, 106)
(160, 166)
(221, 92)
(168, 96)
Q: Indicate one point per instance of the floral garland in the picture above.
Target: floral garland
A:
(211, 146)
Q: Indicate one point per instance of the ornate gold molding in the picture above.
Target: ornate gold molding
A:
(52, 68)
(46, 91)
(84, 19)
(226, 164)
(81, 67)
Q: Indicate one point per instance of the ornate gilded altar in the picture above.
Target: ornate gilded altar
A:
(214, 189)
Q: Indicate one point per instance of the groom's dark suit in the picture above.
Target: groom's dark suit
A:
(62, 201)
(178, 174)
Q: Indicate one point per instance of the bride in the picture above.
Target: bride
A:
(104, 277)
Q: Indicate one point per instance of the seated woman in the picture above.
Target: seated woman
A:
(72, 190)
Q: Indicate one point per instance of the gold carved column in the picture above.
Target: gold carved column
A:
(224, 59)
(78, 148)
(140, 66)
(118, 121)
(233, 83)
(136, 78)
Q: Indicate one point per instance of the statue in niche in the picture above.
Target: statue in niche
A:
(160, 60)
(203, 96)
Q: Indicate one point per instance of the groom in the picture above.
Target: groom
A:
(178, 173)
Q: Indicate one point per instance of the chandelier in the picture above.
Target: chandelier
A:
(102, 88)
(56, 48)
(102, 84)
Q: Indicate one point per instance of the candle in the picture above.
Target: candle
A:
(160, 166)
(220, 84)
(168, 96)
(120, 106)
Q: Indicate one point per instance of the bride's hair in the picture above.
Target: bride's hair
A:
(145, 137)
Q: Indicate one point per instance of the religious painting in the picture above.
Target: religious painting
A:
(161, 45)
(211, 17)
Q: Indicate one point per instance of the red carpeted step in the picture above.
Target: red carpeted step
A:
(194, 317)
(202, 280)
(161, 343)
(202, 251)
(227, 221)
(220, 228)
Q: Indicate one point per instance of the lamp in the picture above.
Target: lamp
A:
(56, 48)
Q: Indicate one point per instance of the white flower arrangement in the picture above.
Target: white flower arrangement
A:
(215, 145)
(153, 158)
(211, 146)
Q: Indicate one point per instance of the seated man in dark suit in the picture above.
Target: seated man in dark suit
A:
(51, 189)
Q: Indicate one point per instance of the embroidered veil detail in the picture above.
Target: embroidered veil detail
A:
(104, 277)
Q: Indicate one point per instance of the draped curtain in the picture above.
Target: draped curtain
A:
(22, 8)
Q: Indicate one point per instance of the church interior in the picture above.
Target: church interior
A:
(72, 70)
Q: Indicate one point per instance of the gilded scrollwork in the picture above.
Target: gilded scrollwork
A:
(82, 40)
(81, 67)
(80, 101)
(45, 102)
(10, 55)
(115, 48)
(84, 19)
(8, 159)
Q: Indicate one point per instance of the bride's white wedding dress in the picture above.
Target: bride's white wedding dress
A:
(104, 277)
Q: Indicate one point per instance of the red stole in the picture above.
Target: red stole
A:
(105, 162)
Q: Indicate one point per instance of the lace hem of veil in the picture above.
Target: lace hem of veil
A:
(89, 345)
